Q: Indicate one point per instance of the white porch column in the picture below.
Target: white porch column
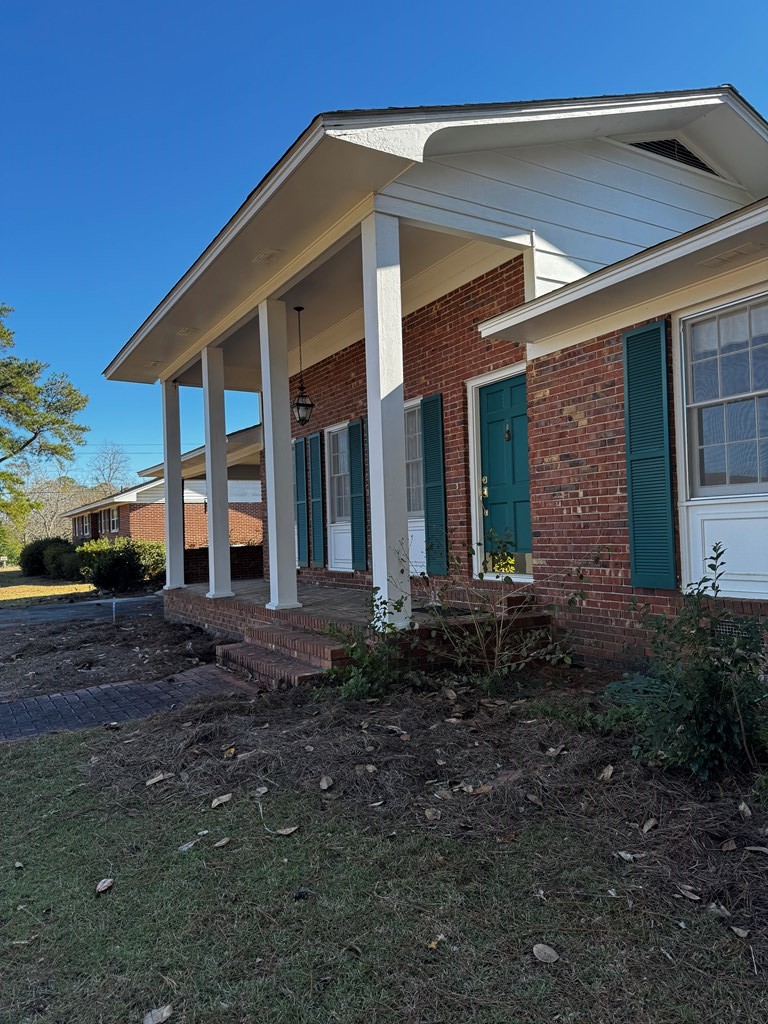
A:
(219, 575)
(386, 431)
(174, 488)
(276, 418)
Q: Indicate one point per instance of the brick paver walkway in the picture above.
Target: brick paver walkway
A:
(113, 702)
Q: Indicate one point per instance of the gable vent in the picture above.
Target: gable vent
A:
(672, 149)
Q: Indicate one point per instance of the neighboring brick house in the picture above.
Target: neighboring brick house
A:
(140, 513)
(536, 339)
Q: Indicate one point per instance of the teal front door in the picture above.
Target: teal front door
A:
(504, 487)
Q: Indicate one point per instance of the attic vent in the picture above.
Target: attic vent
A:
(672, 149)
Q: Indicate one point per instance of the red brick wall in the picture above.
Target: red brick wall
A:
(147, 522)
(441, 350)
(579, 507)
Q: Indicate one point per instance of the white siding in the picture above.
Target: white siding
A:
(590, 203)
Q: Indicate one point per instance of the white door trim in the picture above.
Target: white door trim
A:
(334, 530)
(474, 384)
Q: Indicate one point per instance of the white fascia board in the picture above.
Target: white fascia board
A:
(721, 231)
(406, 134)
(123, 498)
(261, 195)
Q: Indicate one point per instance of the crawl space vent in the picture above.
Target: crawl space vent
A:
(672, 149)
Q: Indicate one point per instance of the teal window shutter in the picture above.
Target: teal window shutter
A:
(302, 531)
(434, 485)
(316, 501)
(357, 493)
(649, 476)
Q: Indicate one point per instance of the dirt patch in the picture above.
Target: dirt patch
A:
(53, 658)
(470, 768)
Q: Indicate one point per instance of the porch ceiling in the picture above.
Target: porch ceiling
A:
(332, 297)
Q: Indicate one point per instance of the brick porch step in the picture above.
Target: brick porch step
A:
(275, 669)
(285, 638)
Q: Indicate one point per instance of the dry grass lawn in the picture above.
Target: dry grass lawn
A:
(17, 591)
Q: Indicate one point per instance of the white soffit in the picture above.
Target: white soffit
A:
(734, 241)
(243, 445)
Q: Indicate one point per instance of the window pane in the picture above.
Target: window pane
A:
(712, 466)
(762, 417)
(705, 380)
(704, 339)
(734, 331)
(760, 324)
(735, 373)
(764, 461)
(414, 487)
(741, 420)
(760, 367)
(742, 463)
(711, 425)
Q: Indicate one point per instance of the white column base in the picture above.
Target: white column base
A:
(225, 593)
(174, 586)
(278, 606)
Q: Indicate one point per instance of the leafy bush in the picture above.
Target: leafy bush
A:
(117, 568)
(148, 555)
(32, 555)
(57, 559)
(699, 707)
(377, 653)
(10, 546)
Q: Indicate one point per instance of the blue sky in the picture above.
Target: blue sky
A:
(132, 132)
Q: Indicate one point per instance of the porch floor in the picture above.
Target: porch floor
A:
(327, 604)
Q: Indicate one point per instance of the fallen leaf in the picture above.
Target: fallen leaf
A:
(631, 857)
(651, 823)
(741, 932)
(432, 814)
(18, 864)
(219, 800)
(222, 842)
(688, 892)
(444, 794)
(728, 845)
(744, 810)
(719, 909)
(160, 777)
(757, 849)
(378, 803)
(554, 751)
(261, 791)
(545, 953)
(229, 752)
(186, 847)
(606, 773)
(309, 748)
(326, 782)
(450, 695)
(440, 762)
(24, 942)
(508, 775)
(485, 788)
(436, 941)
(405, 737)
(371, 768)
(104, 884)
(286, 831)
(534, 799)
(158, 1015)
(454, 721)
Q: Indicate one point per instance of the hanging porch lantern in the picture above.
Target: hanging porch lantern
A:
(302, 404)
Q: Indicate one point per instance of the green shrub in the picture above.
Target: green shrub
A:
(117, 568)
(31, 556)
(89, 553)
(10, 546)
(151, 556)
(699, 708)
(376, 655)
(54, 560)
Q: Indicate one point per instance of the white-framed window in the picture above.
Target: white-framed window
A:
(86, 526)
(103, 521)
(114, 519)
(726, 373)
(414, 468)
(338, 475)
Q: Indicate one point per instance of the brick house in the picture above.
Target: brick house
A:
(535, 338)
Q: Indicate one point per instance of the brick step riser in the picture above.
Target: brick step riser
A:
(266, 675)
(315, 652)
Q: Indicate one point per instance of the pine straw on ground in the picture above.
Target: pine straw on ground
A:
(472, 769)
(55, 657)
